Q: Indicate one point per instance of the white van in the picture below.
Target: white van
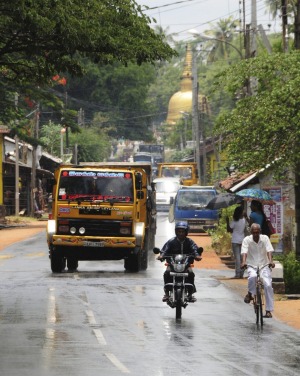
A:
(166, 189)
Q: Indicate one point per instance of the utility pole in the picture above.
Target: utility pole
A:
(34, 160)
(67, 131)
(253, 51)
(195, 110)
(17, 175)
(284, 25)
(203, 141)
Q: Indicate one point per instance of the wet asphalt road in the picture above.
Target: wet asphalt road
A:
(103, 321)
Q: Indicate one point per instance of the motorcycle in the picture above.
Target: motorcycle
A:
(179, 290)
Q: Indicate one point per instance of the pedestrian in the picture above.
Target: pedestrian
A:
(258, 216)
(257, 251)
(237, 228)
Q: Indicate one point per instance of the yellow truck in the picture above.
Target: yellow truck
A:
(102, 211)
(186, 171)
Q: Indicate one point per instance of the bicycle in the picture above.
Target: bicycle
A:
(259, 298)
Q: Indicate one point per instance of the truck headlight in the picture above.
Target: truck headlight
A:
(125, 230)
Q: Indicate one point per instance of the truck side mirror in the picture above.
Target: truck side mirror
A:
(140, 195)
(138, 181)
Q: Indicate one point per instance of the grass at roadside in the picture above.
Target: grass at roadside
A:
(18, 219)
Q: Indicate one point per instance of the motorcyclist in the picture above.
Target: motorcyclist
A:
(180, 244)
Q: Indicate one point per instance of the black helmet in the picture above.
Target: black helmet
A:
(182, 224)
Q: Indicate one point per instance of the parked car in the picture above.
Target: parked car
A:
(190, 205)
(166, 189)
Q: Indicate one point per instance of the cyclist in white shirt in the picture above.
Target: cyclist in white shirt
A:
(257, 251)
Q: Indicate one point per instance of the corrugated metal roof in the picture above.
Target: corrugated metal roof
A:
(236, 181)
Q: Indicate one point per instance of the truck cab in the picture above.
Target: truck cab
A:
(185, 171)
(102, 211)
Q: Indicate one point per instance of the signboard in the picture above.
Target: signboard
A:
(274, 213)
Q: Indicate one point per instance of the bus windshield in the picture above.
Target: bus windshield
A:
(95, 185)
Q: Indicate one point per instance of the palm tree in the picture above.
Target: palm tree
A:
(275, 6)
(223, 32)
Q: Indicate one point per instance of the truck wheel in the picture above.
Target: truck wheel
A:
(144, 253)
(133, 262)
(144, 261)
(72, 264)
(58, 263)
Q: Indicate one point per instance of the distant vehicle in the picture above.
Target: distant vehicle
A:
(157, 152)
(166, 189)
(186, 171)
(154, 149)
(190, 205)
(143, 157)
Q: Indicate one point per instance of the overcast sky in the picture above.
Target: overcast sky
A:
(181, 15)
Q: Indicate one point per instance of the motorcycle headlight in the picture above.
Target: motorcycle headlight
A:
(179, 268)
(178, 258)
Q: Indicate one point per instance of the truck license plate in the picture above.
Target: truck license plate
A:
(93, 244)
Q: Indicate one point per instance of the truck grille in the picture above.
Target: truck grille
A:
(94, 227)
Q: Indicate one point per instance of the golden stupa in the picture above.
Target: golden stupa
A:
(182, 101)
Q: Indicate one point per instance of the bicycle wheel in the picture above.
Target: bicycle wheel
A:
(259, 308)
(262, 303)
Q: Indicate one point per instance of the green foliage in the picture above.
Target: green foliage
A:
(93, 144)
(50, 136)
(291, 272)
(118, 92)
(41, 38)
(269, 120)
(221, 239)
(179, 156)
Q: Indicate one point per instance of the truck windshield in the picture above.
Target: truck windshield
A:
(177, 172)
(194, 198)
(95, 185)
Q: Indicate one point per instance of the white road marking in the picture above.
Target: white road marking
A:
(100, 337)
(115, 361)
(102, 342)
(91, 317)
